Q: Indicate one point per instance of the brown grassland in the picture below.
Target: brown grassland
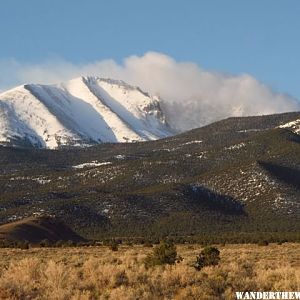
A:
(97, 272)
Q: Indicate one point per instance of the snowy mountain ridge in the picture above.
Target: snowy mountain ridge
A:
(80, 112)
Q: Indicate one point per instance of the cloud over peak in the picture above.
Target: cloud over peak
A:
(192, 97)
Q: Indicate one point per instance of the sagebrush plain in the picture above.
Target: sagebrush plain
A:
(97, 272)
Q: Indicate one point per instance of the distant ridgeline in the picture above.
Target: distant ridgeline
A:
(233, 180)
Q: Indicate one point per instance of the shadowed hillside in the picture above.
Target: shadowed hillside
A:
(287, 175)
(34, 230)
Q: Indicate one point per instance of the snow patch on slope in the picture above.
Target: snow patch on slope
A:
(294, 126)
(92, 164)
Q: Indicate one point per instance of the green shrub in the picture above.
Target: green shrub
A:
(59, 243)
(129, 243)
(114, 246)
(148, 244)
(45, 243)
(5, 244)
(164, 253)
(209, 256)
(24, 245)
(69, 243)
(263, 243)
(280, 242)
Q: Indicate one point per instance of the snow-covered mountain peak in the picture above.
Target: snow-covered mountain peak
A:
(82, 111)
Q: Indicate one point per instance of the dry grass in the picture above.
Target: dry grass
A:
(99, 273)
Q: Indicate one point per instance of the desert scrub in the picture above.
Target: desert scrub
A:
(96, 272)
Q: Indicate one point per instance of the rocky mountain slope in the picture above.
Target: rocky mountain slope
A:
(239, 175)
(83, 111)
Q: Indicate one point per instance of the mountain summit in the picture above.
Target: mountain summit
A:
(82, 111)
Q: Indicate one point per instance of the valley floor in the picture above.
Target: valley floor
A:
(97, 272)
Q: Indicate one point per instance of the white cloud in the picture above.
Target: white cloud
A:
(192, 96)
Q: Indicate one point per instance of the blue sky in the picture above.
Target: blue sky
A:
(258, 37)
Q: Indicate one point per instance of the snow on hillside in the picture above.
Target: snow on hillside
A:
(293, 125)
(91, 164)
(83, 111)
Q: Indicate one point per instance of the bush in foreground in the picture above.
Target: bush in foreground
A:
(263, 243)
(113, 245)
(209, 256)
(164, 253)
